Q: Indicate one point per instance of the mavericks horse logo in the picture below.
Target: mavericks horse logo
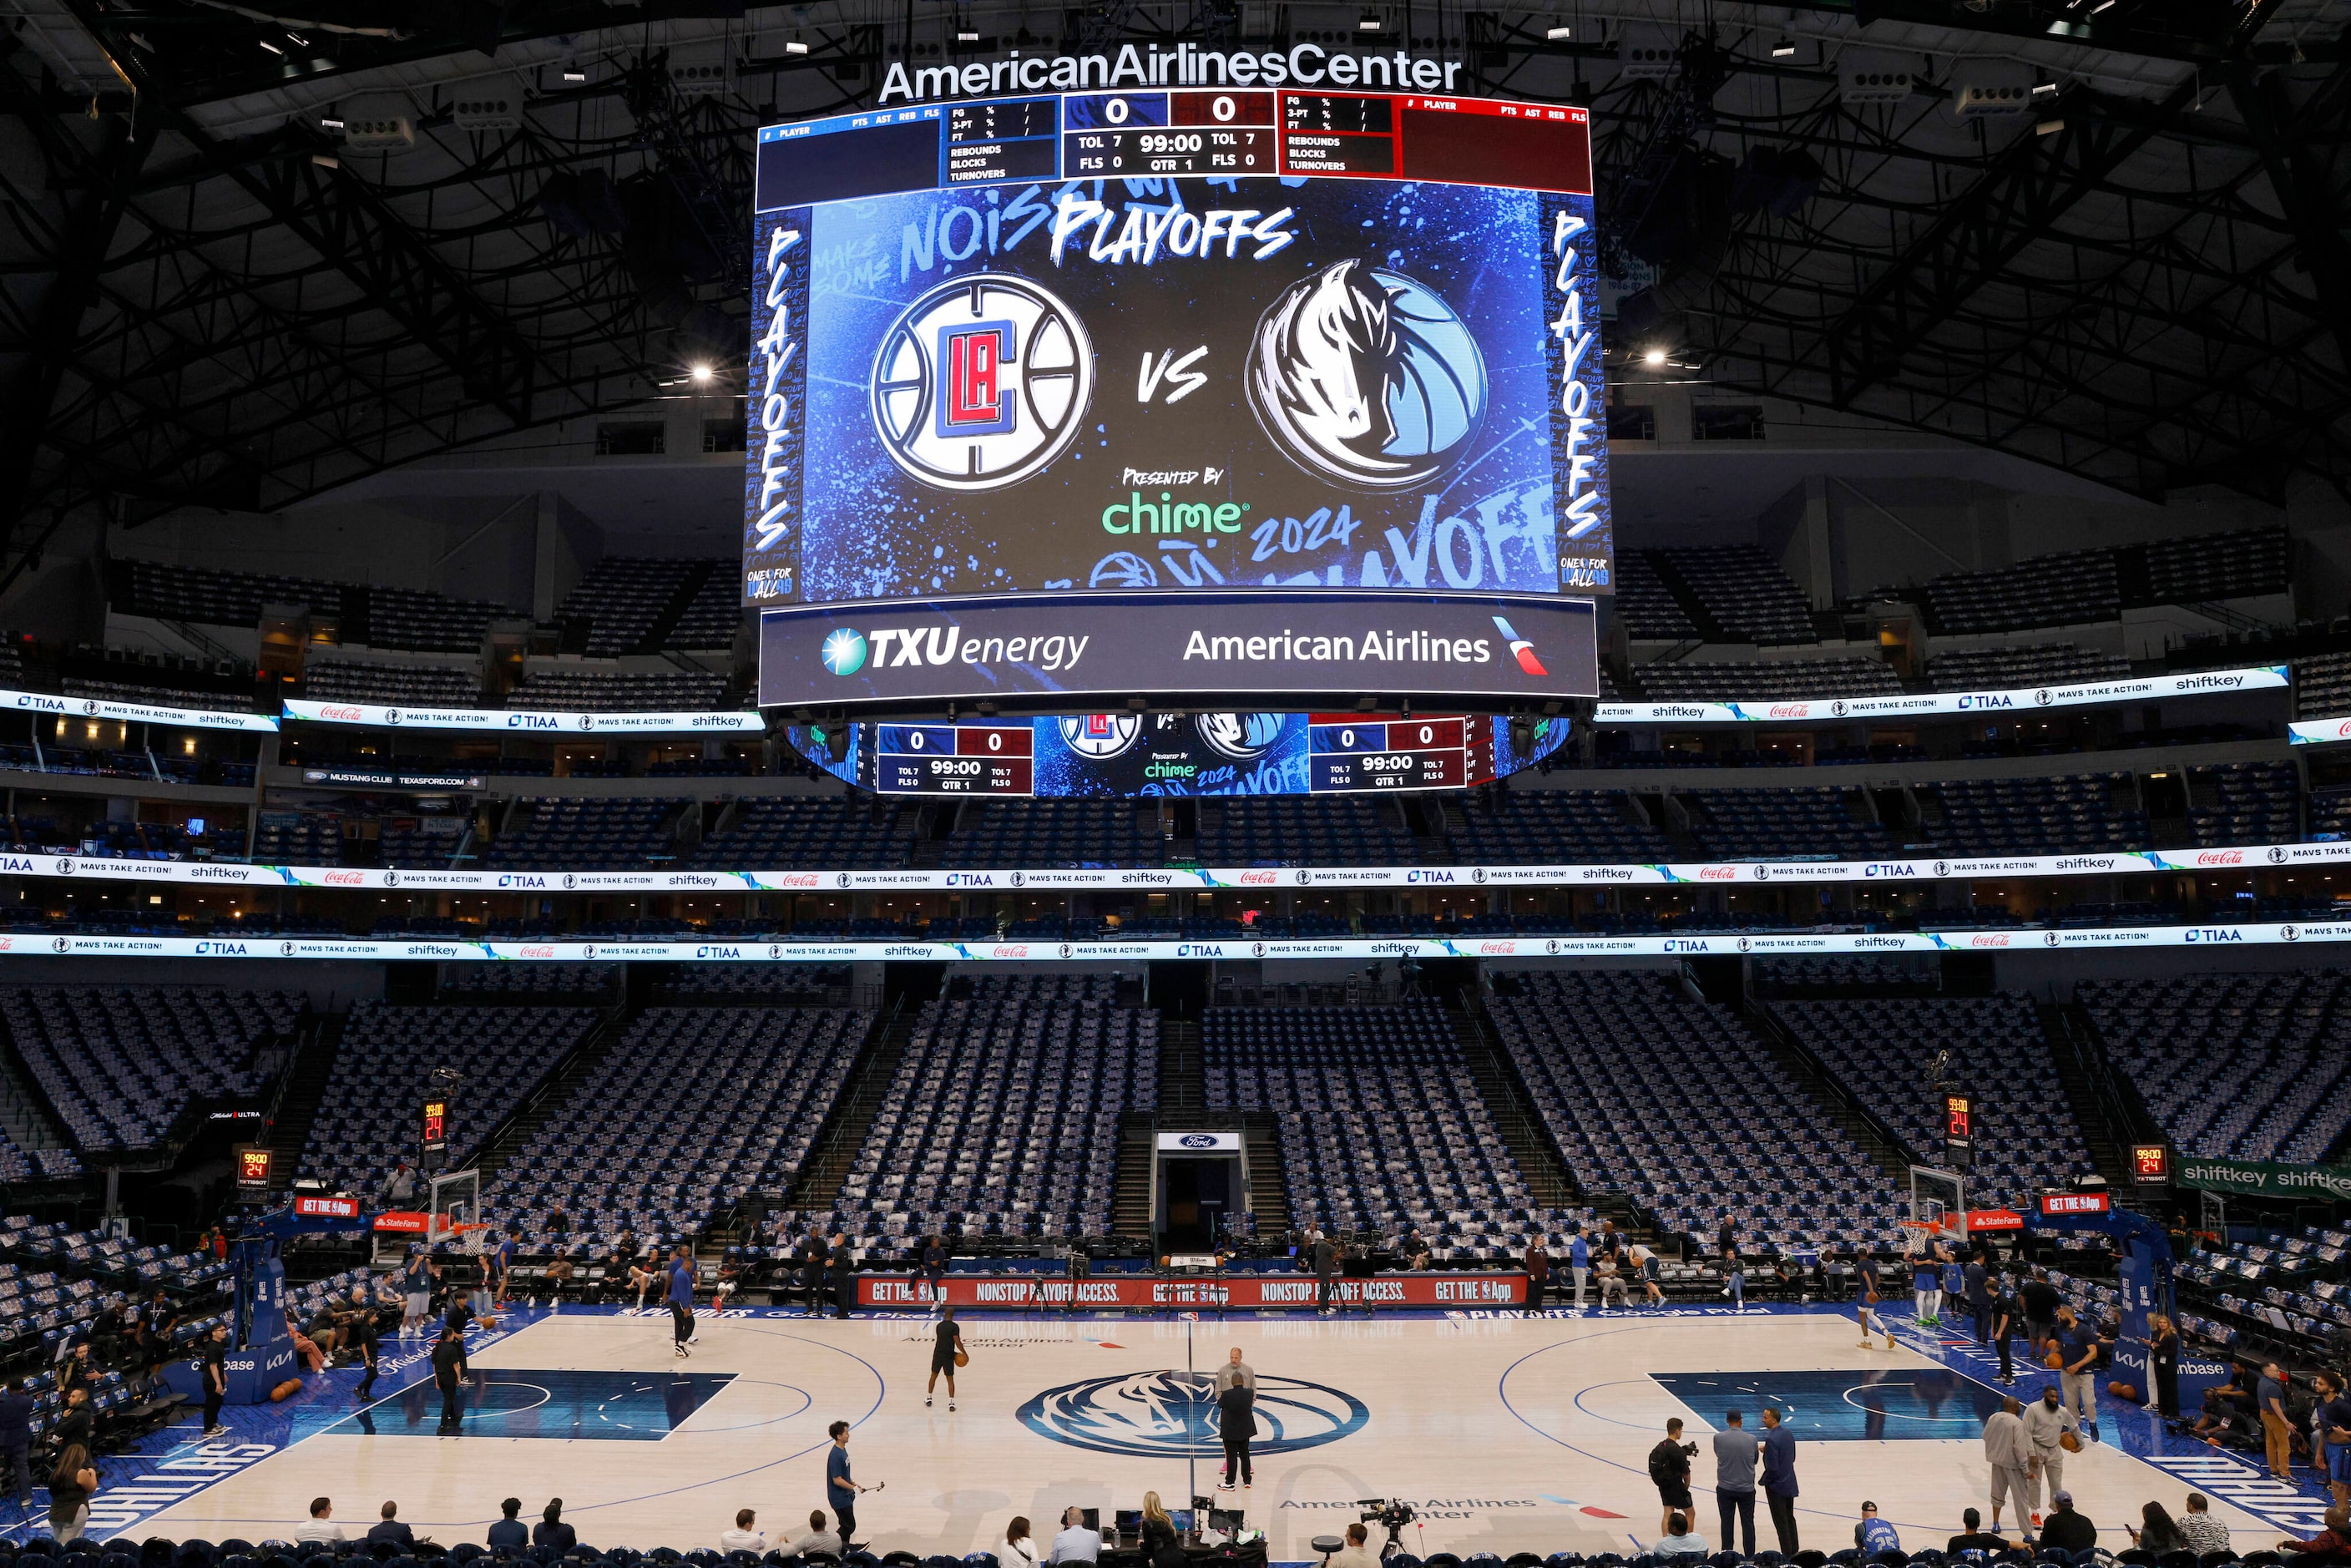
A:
(1163, 1413)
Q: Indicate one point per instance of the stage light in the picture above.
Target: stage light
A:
(326, 160)
(1370, 23)
(330, 125)
(1654, 358)
(1784, 50)
(964, 36)
(270, 46)
(574, 73)
(1560, 34)
(2049, 128)
(2046, 89)
(796, 48)
(701, 374)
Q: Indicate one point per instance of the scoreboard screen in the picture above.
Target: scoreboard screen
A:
(1107, 755)
(1249, 340)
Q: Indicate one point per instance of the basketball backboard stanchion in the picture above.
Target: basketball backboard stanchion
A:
(453, 1214)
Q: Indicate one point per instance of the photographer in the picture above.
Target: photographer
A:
(1357, 1553)
(1669, 1467)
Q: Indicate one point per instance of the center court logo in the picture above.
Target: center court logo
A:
(1167, 1414)
(980, 383)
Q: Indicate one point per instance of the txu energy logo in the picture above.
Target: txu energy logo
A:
(844, 652)
(1167, 1414)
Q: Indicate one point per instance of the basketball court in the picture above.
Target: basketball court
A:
(1507, 1433)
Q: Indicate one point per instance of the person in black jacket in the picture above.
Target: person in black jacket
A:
(844, 1277)
(16, 1439)
(1237, 1420)
(933, 1268)
(510, 1532)
(1669, 1468)
(2163, 1367)
(2067, 1530)
(390, 1528)
(551, 1529)
(810, 1256)
(449, 1371)
(1326, 1260)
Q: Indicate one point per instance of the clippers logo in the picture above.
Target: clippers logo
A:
(1366, 377)
(1521, 649)
(980, 383)
(1100, 735)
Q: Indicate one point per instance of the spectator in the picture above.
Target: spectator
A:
(1974, 1285)
(2331, 1544)
(2046, 1425)
(2040, 1299)
(819, 1538)
(1734, 1279)
(1605, 1274)
(1578, 1264)
(321, 1525)
(510, 1532)
(70, 1487)
(2202, 1531)
(551, 1529)
(743, 1538)
(2330, 1430)
(16, 1440)
(2155, 1532)
(1669, 1467)
(1779, 1480)
(79, 1425)
(2007, 1317)
(1976, 1538)
(389, 1527)
(1076, 1544)
(1538, 1271)
(1019, 1550)
(2163, 1367)
(2008, 1453)
(2277, 1427)
(1736, 1451)
(2077, 1344)
(2067, 1530)
(1680, 1539)
(1356, 1554)
(1873, 1535)
(844, 1277)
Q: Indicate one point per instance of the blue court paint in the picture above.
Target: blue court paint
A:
(516, 1402)
(1893, 1404)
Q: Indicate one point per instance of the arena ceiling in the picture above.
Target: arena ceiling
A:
(2138, 271)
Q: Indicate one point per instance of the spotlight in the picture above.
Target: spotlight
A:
(2049, 128)
(1370, 23)
(574, 74)
(2046, 89)
(701, 374)
(1785, 49)
(796, 48)
(330, 124)
(1654, 358)
(964, 36)
(1560, 34)
(270, 46)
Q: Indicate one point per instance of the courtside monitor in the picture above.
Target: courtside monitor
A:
(1234, 376)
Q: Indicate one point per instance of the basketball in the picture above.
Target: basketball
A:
(2056, 1359)
(2069, 1442)
(2124, 1391)
(963, 1358)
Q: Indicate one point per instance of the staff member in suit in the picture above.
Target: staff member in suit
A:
(449, 1371)
(844, 1288)
(1237, 1421)
(1326, 1262)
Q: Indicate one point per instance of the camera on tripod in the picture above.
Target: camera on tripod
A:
(1392, 1513)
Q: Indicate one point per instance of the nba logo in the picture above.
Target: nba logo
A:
(973, 356)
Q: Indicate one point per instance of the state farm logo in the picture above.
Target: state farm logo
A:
(340, 713)
(2220, 857)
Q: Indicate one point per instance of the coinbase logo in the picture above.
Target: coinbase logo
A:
(1365, 376)
(981, 382)
(844, 652)
(1172, 1415)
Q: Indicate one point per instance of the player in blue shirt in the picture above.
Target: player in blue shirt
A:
(680, 1300)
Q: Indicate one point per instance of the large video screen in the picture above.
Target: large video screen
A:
(1194, 340)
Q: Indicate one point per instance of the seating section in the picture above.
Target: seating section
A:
(2239, 564)
(2005, 669)
(1648, 1092)
(19, 1164)
(298, 838)
(215, 598)
(623, 599)
(2235, 1067)
(811, 983)
(574, 690)
(2244, 803)
(1644, 604)
(1382, 1124)
(1755, 824)
(1002, 1116)
(1798, 678)
(1883, 1050)
(711, 616)
(2323, 686)
(367, 1115)
(1303, 831)
(1562, 826)
(772, 832)
(418, 621)
(2066, 589)
(120, 1063)
(1052, 833)
(156, 696)
(396, 685)
(493, 978)
(570, 834)
(2087, 814)
(691, 1108)
(1742, 593)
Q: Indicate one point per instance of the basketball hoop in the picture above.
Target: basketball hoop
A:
(466, 1235)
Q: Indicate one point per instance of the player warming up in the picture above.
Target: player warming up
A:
(946, 1355)
(681, 1302)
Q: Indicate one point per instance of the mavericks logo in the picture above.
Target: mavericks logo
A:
(1167, 1414)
